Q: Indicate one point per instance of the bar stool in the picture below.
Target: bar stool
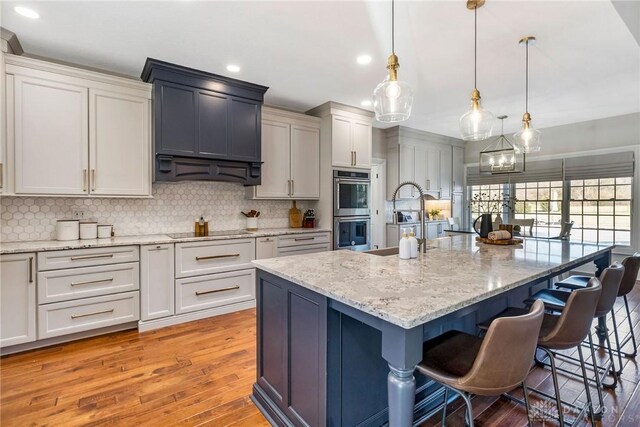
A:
(556, 299)
(631, 266)
(563, 332)
(487, 366)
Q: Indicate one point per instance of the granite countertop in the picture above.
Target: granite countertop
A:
(454, 273)
(153, 239)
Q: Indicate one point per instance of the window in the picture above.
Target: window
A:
(601, 210)
(484, 197)
(541, 201)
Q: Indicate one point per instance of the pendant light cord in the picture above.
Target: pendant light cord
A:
(526, 80)
(475, 47)
(393, 27)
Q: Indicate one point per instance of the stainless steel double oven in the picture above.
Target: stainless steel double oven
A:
(351, 210)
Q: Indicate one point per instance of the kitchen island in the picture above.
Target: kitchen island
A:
(339, 333)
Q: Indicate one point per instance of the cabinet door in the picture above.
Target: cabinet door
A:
(175, 120)
(457, 209)
(420, 167)
(341, 146)
(433, 169)
(276, 158)
(305, 162)
(18, 299)
(266, 247)
(244, 130)
(51, 137)
(407, 171)
(361, 142)
(156, 281)
(213, 124)
(119, 144)
(457, 170)
(445, 173)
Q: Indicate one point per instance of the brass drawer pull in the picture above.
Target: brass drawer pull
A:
(30, 269)
(81, 257)
(303, 238)
(215, 291)
(95, 313)
(84, 180)
(90, 282)
(93, 180)
(201, 258)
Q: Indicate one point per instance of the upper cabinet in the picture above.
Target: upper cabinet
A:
(290, 155)
(207, 127)
(421, 157)
(76, 132)
(457, 184)
(348, 131)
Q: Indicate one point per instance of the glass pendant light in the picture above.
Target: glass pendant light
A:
(500, 156)
(477, 123)
(527, 139)
(392, 99)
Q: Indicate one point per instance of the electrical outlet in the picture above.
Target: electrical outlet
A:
(78, 214)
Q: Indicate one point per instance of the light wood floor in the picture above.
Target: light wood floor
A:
(201, 373)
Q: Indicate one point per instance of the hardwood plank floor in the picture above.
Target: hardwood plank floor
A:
(200, 374)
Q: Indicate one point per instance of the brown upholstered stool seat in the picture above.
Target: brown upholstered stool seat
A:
(549, 321)
(438, 359)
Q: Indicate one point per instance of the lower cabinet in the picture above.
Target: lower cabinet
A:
(17, 299)
(88, 313)
(214, 290)
(304, 243)
(266, 247)
(292, 360)
(156, 281)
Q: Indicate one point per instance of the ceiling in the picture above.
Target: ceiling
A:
(585, 65)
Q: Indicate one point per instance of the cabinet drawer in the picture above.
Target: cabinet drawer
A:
(197, 258)
(74, 283)
(86, 257)
(68, 317)
(303, 239)
(214, 290)
(306, 249)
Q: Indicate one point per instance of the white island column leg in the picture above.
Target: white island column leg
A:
(402, 349)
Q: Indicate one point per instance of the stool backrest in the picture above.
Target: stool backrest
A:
(573, 325)
(505, 355)
(631, 267)
(610, 280)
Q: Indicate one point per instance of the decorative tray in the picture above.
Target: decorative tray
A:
(503, 242)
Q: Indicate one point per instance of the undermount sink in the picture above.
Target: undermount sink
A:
(390, 251)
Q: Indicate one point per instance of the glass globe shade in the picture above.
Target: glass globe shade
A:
(392, 101)
(528, 139)
(477, 123)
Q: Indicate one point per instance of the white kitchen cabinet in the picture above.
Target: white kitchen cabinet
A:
(157, 296)
(290, 155)
(445, 172)
(457, 165)
(119, 156)
(305, 243)
(266, 247)
(51, 136)
(17, 299)
(457, 207)
(362, 144)
(351, 143)
(75, 132)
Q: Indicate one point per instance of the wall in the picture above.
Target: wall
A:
(173, 208)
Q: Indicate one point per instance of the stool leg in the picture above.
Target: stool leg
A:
(469, 412)
(612, 371)
(615, 332)
(586, 385)
(633, 335)
(444, 407)
(525, 393)
(597, 372)
(556, 386)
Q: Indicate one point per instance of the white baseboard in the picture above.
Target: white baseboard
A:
(149, 325)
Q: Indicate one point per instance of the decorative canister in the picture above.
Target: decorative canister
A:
(67, 229)
(104, 231)
(252, 223)
(88, 230)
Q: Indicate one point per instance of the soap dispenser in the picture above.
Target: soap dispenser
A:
(405, 247)
(413, 242)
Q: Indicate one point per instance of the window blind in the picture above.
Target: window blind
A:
(536, 171)
(613, 165)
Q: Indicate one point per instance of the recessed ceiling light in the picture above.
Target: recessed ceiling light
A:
(366, 103)
(363, 59)
(233, 68)
(25, 11)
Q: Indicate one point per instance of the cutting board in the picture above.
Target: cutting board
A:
(295, 216)
(503, 242)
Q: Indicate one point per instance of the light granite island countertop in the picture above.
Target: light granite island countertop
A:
(377, 310)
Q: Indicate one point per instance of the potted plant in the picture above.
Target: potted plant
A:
(434, 213)
(489, 205)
